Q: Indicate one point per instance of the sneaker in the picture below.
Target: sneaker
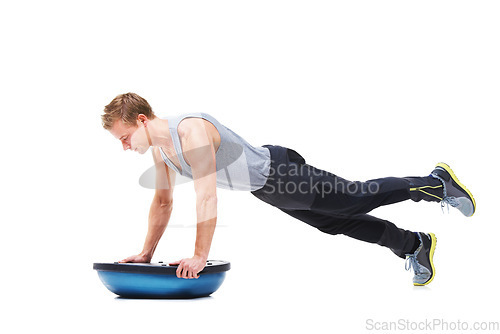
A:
(421, 261)
(454, 192)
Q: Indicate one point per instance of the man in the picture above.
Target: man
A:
(199, 147)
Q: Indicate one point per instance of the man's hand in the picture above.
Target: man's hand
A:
(140, 258)
(189, 268)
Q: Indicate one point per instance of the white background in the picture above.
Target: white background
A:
(363, 89)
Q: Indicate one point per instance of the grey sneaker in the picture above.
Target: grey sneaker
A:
(422, 260)
(454, 192)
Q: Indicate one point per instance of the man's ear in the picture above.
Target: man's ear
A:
(141, 118)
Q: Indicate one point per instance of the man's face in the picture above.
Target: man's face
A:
(131, 137)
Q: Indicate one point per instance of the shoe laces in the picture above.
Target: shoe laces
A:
(447, 201)
(411, 262)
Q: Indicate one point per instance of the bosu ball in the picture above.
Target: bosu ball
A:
(158, 280)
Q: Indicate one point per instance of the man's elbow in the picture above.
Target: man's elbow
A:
(164, 203)
(167, 205)
(207, 199)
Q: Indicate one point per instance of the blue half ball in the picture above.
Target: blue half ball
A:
(157, 280)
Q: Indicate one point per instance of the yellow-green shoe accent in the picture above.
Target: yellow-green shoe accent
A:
(421, 189)
(454, 192)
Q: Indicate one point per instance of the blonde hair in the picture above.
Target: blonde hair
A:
(126, 107)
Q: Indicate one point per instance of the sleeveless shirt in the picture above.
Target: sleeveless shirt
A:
(239, 165)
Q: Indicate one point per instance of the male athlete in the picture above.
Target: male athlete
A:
(197, 146)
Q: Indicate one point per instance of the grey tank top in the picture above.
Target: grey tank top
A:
(239, 165)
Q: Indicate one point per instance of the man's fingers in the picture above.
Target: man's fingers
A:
(182, 269)
(179, 269)
(186, 269)
(178, 272)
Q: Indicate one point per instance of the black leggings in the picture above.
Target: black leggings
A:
(335, 205)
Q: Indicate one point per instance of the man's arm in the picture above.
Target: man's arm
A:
(200, 154)
(161, 208)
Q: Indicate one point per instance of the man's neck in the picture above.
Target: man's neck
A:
(160, 133)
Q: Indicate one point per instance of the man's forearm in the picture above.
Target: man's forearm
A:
(159, 215)
(207, 218)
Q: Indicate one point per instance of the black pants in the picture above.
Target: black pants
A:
(338, 206)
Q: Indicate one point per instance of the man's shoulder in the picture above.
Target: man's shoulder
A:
(189, 125)
(194, 123)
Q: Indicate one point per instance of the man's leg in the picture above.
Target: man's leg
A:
(335, 195)
(362, 227)
(338, 206)
(294, 184)
(335, 205)
(418, 248)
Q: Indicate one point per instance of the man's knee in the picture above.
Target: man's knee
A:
(332, 229)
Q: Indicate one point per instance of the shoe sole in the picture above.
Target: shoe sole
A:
(455, 179)
(431, 260)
